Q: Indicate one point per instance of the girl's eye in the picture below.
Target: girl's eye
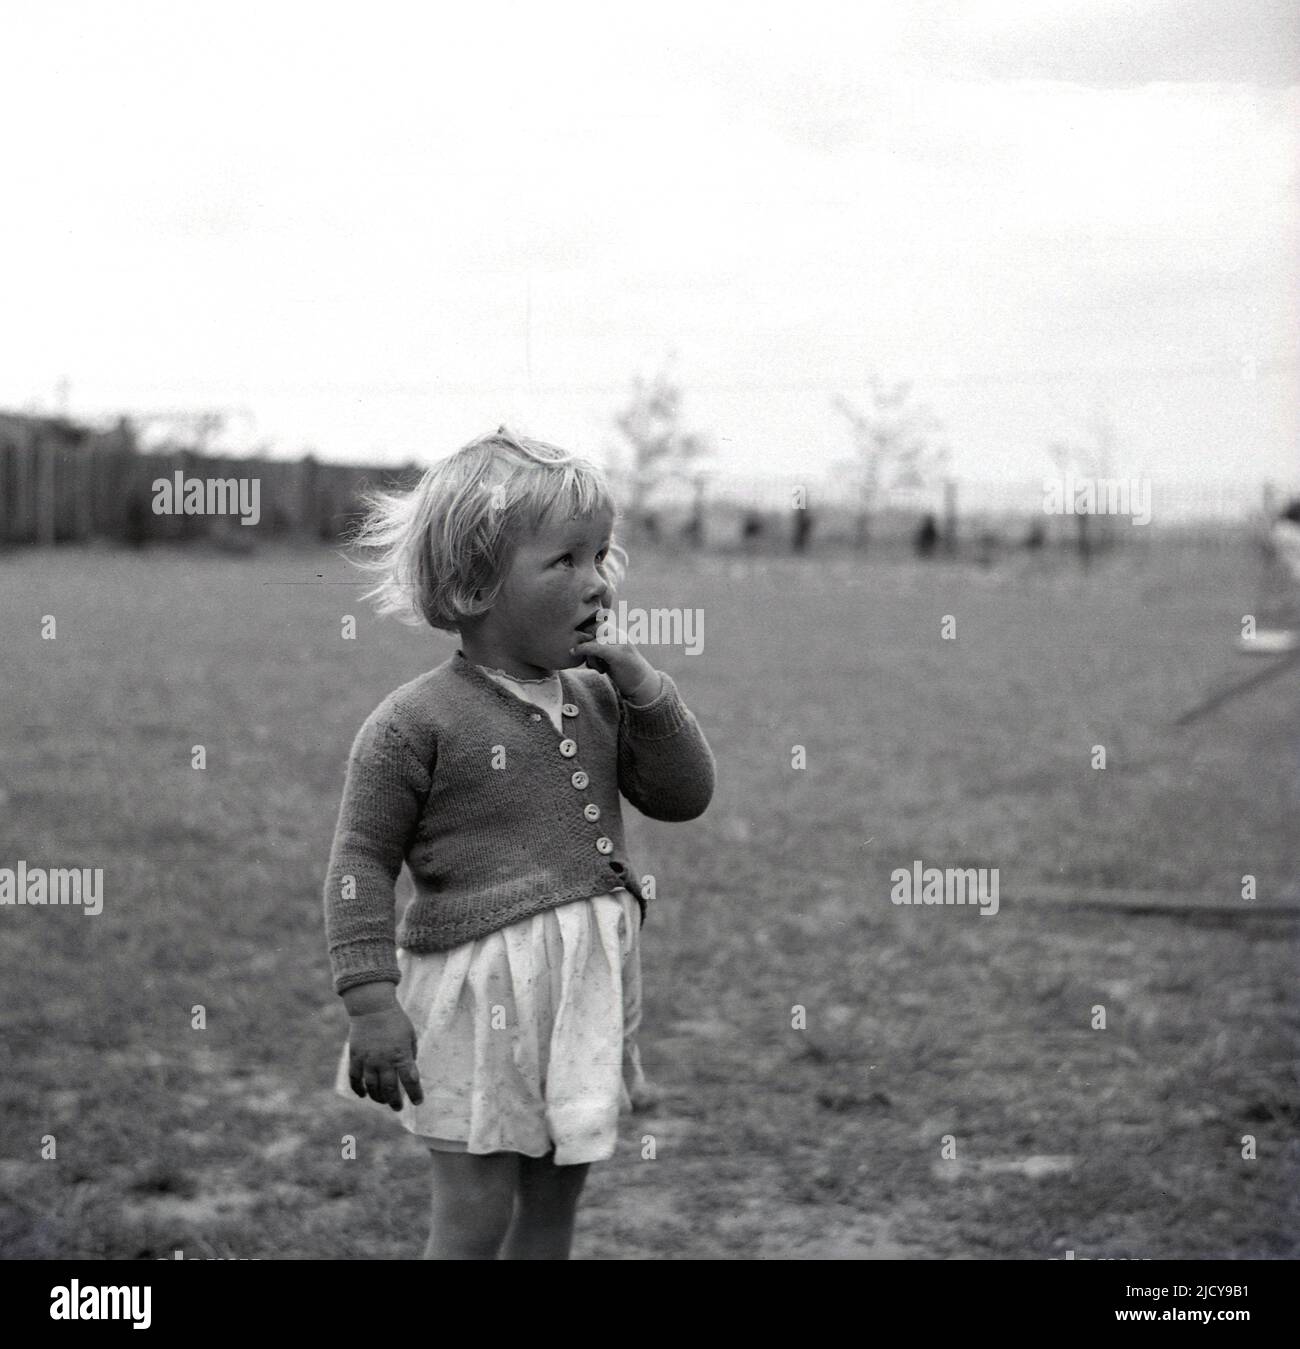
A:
(601, 557)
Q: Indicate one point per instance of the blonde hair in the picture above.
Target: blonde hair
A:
(441, 551)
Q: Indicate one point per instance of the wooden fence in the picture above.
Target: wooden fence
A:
(64, 483)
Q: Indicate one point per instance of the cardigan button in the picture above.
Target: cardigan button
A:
(604, 845)
(580, 779)
(591, 811)
(568, 748)
(570, 709)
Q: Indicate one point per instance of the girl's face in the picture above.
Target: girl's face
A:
(556, 581)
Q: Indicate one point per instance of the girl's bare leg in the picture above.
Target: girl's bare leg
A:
(545, 1208)
(473, 1196)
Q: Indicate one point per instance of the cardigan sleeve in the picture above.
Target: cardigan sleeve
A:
(665, 766)
(383, 795)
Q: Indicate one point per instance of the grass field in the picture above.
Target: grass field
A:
(769, 1141)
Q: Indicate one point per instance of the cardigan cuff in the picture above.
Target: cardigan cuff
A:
(657, 720)
(369, 963)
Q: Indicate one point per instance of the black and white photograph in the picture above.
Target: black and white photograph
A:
(649, 633)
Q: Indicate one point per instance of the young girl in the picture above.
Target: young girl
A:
(499, 1020)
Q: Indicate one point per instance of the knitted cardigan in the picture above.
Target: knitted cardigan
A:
(497, 816)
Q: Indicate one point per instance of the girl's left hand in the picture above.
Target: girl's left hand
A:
(634, 677)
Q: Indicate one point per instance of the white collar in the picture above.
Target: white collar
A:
(546, 679)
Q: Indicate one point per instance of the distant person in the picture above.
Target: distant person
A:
(926, 539)
(803, 527)
(1037, 536)
(500, 1018)
(751, 530)
(1083, 538)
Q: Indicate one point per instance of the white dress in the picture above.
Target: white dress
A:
(526, 1038)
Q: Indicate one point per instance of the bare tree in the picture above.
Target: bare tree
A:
(661, 448)
(896, 442)
(1085, 448)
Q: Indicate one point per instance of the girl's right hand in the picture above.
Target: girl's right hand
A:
(381, 1057)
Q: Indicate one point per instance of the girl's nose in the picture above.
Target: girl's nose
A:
(600, 592)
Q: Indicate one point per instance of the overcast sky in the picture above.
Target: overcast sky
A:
(381, 229)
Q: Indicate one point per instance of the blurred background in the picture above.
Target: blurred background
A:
(843, 297)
